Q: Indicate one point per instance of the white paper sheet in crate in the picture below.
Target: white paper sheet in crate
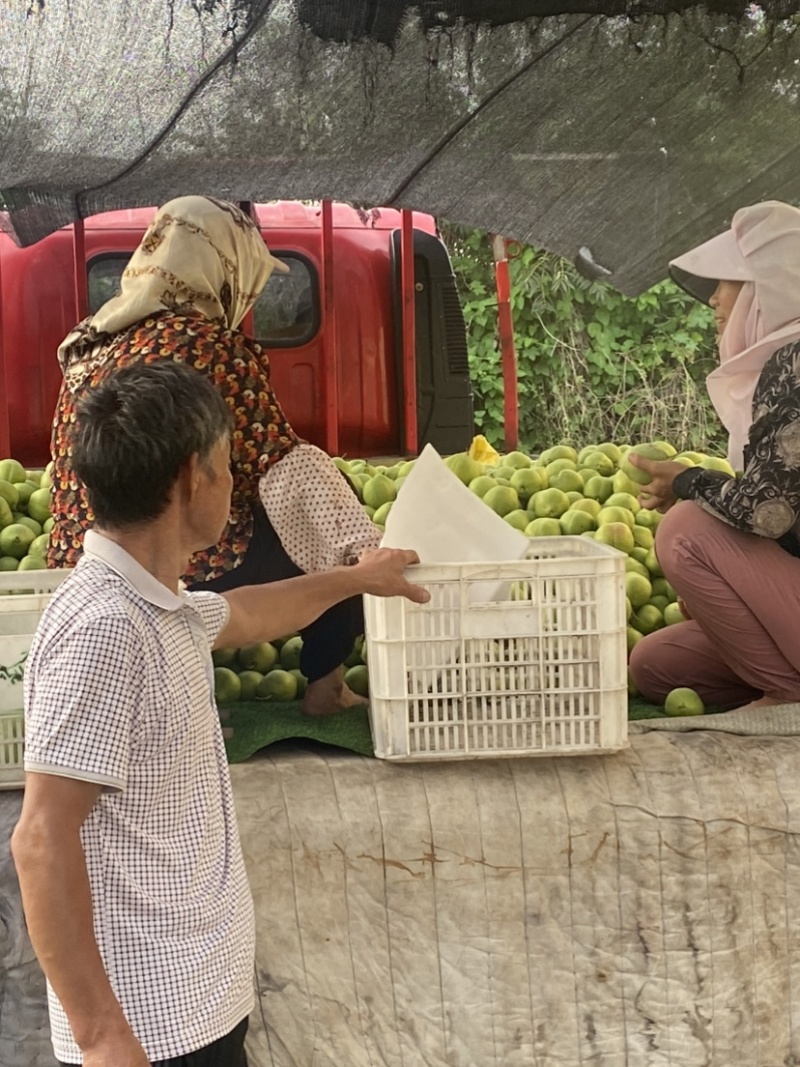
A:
(438, 517)
(541, 672)
(25, 597)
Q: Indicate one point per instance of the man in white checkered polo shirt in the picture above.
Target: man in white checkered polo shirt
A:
(127, 849)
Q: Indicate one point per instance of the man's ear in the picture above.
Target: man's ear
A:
(189, 477)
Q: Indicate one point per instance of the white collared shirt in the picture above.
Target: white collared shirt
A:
(119, 690)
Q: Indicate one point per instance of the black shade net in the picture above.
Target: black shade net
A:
(631, 131)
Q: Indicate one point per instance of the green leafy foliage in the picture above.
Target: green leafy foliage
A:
(592, 364)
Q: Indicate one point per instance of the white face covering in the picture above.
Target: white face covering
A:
(762, 249)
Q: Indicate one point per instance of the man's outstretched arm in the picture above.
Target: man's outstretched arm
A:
(263, 612)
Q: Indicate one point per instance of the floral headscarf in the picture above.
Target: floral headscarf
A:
(199, 255)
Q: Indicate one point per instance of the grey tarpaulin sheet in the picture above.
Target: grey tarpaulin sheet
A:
(630, 910)
(627, 910)
(780, 721)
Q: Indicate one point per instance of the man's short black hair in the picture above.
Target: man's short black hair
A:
(136, 429)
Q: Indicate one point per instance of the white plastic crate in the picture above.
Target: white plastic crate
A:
(507, 659)
(12, 744)
(23, 598)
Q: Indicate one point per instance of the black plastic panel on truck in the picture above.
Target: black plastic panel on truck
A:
(444, 391)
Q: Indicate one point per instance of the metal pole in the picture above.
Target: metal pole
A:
(505, 328)
(408, 303)
(330, 339)
(5, 421)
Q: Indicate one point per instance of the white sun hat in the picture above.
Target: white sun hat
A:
(700, 270)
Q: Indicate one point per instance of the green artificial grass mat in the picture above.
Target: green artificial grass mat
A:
(258, 723)
(640, 709)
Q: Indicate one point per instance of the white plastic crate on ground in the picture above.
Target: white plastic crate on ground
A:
(23, 598)
(507, 659)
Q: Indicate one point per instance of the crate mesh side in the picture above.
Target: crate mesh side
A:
(489, 678)
(437, 619)
(12, 746)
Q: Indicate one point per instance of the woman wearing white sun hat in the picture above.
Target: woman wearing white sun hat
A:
(731, 546)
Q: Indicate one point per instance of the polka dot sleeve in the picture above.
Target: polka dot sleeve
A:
(315, 512)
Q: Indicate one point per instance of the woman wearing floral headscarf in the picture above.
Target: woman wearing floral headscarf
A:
(196, 273)
(731, 547)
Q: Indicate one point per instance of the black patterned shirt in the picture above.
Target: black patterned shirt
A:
(765, 498)
(262, 436)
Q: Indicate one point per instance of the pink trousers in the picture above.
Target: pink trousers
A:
(743, 593)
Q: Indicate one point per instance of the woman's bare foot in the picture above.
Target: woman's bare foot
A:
(328, 695)
(765, 702)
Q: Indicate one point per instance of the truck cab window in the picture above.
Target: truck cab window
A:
(104, 276)
(285, 315)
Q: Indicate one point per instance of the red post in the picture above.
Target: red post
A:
(331, 341)
(408, 303)
(5, 421)
(247, 325)
(79, 265)
(505, 327)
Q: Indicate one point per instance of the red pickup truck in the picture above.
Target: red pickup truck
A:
(333, 326)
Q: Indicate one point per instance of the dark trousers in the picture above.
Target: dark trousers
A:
(329, 640)
(228, 1051)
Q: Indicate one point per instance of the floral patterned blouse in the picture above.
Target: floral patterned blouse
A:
(765, 498)
(239, 368)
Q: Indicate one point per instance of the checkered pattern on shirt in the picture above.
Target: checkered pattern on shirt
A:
(120, 691)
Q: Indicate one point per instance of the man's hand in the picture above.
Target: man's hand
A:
(122, 1052)
(657, 494)
(382, 573)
